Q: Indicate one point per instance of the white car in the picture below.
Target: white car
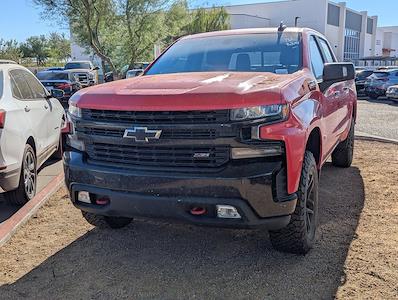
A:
(31, 120)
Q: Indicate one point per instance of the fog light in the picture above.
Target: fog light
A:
(227, 212)
(239, 153)
(84, 196)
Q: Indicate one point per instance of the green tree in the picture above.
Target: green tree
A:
(36, 47)
(204, 20)
(10, 50)
(125, 31)
(59, 49)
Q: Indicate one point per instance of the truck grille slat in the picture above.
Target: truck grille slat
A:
(162, 156)
(166, 133)
(157, 117)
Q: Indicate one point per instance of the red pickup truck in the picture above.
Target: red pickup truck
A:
(226, 128)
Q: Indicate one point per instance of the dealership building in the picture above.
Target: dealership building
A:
(352, 34)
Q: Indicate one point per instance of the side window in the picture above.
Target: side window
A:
(326, 51)
(35, 86)
(20, 87)
(316, 59)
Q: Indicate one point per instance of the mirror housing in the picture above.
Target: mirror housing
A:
(56, 93)
(336, 72)
(95, 68)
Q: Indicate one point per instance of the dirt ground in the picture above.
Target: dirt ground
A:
(57, 255)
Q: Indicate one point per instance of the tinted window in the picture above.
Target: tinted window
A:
(333, 15)
(35, 86)
(326, 50)
(19, 85)
(52, 76)
(316, 59)
(381, 74)
(277, 53)
(77, 65)
(364, 74)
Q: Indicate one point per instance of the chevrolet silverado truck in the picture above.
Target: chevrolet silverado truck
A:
(227, 128)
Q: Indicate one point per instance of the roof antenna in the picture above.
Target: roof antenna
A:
(281, 27)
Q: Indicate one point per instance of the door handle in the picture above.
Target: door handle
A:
(27, 109)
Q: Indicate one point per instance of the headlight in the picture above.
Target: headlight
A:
(275, 112)
(74, 111)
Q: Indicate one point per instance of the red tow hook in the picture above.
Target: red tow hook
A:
(102, 201)
(198, 211)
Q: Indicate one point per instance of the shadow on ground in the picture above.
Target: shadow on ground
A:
(381, 100)
(155, 260)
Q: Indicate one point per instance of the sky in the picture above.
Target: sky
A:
(20, 19)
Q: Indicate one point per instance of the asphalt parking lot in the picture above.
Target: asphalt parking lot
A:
(46, 173)
(378, 117)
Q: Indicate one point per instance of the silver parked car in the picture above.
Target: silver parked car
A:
(392, 93)
(31, 120)
(376, 85)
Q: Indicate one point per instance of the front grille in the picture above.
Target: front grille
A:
(81, 77)
(158, 156)
(180, 133)
(157, 117)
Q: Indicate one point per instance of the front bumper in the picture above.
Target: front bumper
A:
(392, 95)
(256, 189)
(369, 90)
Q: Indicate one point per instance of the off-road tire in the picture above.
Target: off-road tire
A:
(104, 221)
(343, 155)
(299, 235)
(20, 196)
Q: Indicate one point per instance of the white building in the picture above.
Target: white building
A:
(351, 33)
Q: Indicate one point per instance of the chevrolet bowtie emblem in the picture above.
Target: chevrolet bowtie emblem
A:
(142, 134)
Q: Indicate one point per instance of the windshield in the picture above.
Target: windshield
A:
(271, 52)
(380, 74)
(77, 65)
(364, 74)
(52, 76)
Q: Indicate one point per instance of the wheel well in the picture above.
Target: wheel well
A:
(314, 144)
(31, 142)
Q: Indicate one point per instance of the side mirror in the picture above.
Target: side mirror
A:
(336, 72)
(95, 68)
(55, 93)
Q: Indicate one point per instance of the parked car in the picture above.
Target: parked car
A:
(377, 84)
(62, 80)
(360, 80)
(225, 128)
(134, 73)
(392, 93)
(31, 120)
(85, 72)
(7, 61)
(55, 69)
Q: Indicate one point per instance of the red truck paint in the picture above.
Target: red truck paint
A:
(329, 112)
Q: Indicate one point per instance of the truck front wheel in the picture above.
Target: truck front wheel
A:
(343, 154)
(104, 221)
(299, 235)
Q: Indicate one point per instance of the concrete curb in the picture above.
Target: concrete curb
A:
(375, 138)
(10, 226)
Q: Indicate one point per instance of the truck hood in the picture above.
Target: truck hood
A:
(185, 91)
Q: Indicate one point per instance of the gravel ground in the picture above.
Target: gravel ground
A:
(57, 255)
(378, 118)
